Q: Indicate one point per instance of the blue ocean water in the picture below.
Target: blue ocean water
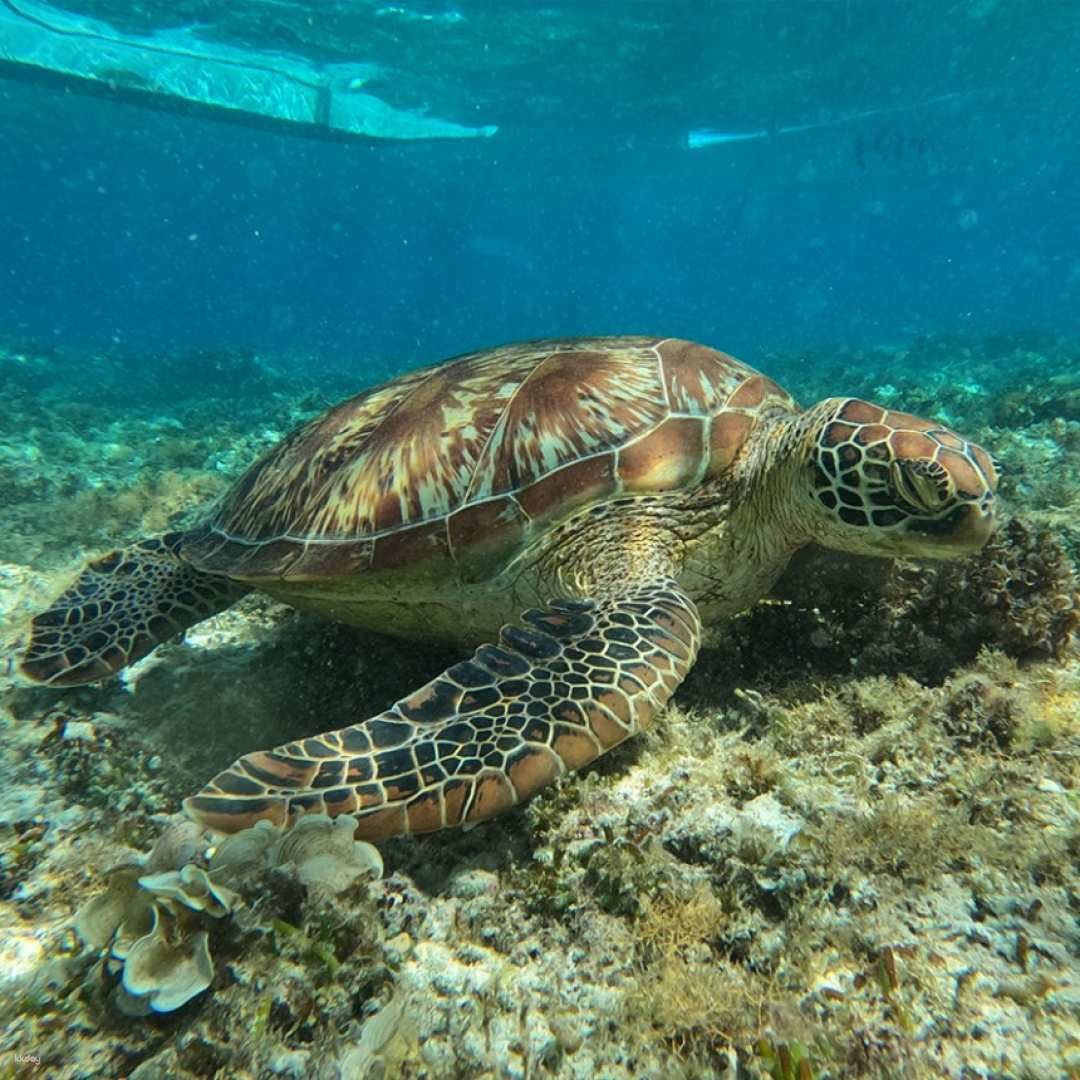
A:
(881, 170)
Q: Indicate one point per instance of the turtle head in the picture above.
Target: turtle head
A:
(889, 483)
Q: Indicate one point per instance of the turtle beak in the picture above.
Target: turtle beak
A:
(976, 527)
(963, 531)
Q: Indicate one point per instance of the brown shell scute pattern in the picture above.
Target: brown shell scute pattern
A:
(401, 453)
(488, 441)
(573, 404)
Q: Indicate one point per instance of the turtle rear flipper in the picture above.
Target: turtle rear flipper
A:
(119, 608)
(576, 680)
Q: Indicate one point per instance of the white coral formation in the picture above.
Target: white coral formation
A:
(192, 887)
(243, 853)
(323, 854)
(149, 925)
(110, 918)
(179, 844)
(152, 925)
(384, 1040)
(319, 851)
(165, 973)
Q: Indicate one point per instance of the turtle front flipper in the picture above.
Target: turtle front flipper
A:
(577, 679)
(119, 608)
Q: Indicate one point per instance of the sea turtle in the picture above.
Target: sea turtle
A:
(611, 494)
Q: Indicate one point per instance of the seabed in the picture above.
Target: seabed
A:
(850, 848)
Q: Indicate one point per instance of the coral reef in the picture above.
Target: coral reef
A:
(153, 927)
(849, 849)
(1020, 594)
(144, 924)
(837, 617)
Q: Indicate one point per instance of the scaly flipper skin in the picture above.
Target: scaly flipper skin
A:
(579, 678)
(118, 609)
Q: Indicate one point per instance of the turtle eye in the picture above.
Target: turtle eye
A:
(922, 484)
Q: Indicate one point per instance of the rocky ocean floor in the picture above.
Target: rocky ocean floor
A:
(850, 848)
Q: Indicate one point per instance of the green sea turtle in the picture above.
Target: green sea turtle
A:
(598, 499)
